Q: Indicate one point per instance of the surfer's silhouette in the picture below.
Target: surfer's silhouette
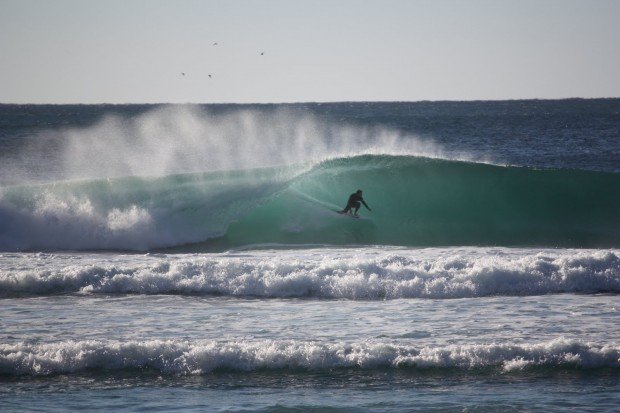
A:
(354, 203)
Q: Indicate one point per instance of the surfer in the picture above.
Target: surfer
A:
(354, 203)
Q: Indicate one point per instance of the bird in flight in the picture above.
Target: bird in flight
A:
(262, 53)
(183, 73)
(215, 44)
(209, 76)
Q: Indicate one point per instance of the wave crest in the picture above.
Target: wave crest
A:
(415, 201)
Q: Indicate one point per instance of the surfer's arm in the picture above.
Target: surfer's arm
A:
(367, 207)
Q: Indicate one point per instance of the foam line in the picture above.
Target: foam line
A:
(203, 357)
(325, 273)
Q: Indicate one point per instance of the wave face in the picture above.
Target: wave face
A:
(203, 357)
(337, 274)
(416, 202)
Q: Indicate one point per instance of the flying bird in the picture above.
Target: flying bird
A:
(262, 53)
(183, 73)
(209, 76)
(215, 44)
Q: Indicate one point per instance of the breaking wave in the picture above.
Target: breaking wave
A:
(416, 201)
(180, 357)
(319, 273)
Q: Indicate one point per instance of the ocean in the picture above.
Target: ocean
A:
(191, 257)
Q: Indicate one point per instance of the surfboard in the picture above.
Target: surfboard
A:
(347, 214)
(327, 205)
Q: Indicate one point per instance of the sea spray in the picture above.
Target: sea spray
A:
(281, 318)
(177, 139)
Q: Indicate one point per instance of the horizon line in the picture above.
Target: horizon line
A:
(308, 102)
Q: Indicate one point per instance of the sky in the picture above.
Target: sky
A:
(136, 51)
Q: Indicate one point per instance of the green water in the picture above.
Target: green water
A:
(423, 202)
(415, 202)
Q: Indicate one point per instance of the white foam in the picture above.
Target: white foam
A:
(74, 222)
(203, 357)
(368, 274)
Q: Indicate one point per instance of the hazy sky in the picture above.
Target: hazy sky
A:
(83, 51)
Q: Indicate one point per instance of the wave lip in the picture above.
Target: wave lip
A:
(203, 357)
(333, 274)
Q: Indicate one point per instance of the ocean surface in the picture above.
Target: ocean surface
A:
(190, 257)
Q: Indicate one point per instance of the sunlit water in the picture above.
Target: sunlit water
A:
(126, 281)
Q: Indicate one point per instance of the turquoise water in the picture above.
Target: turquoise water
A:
(417, 201)
(189, 257)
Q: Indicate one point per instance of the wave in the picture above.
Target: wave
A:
(331, 274)
(180, 357)
(416, 201)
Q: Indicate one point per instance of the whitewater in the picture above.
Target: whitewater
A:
(369, 274)
(190, 256)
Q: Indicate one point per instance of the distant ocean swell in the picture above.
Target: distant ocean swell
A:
(416, 202)
(320, 274)
(179, 357)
